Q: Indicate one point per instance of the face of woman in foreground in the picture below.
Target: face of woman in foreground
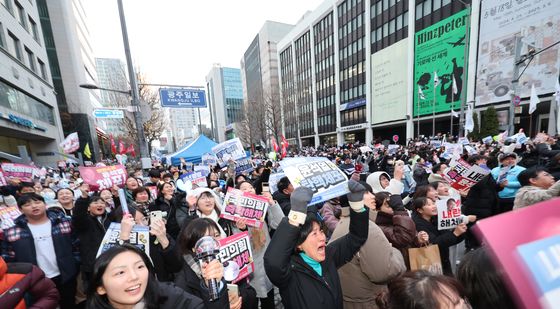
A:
(315, 244)
(125, 280)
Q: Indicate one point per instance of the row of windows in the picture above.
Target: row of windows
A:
(22, 53)
(24, 20)
(326, 120)
(351, 49)
(353, 116)
(326, 102)
(389, 28)
(381, 6)
(324, 44)
(347, 5)
(324, 64)
(351, 26)
(426, 7)
(353, 93)
(325, 83)
(324, 24)
(22, 103)
(352, 71)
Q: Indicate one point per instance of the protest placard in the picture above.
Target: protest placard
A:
(452, 150)
(320, 175)
(197, 178)
(20, 171)
(365, 149)
(243, 166)
(239, 204)
(229, 150)
(153, 191)
(505, 236)
(105, 177)
(463, 141)
(462, 175)
(449, 213)
(503, 173)
(209, 159)
(436, 143)
(139, 237)
(273, 181)
(392, 149)
(237, 249)
(204, 169)
(7, 216)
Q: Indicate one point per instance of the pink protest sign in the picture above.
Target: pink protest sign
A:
(237, 248)
(20, 171)
(239, 204)
(505, 234)
(99, 178)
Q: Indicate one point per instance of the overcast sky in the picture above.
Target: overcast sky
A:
(177, 41)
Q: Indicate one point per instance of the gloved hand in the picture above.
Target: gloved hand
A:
(299, 200)
(356, 195)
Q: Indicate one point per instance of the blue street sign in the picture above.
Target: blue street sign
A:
(182, 97)
(108, 113)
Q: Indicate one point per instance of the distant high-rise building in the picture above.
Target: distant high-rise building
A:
(111, 74)
(260, 76)
(66, 37)
(183, 125)
(225, 97)
(28, 109)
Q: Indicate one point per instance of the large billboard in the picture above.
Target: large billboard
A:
(440, 49)
(388, 79)
(537, 22)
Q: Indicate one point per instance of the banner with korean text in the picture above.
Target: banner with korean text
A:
(229, 150)
(244, 205)
(20, 171)
(105, 177)
(139, 237)
(461, 175)
(318, 174)
(237, 249)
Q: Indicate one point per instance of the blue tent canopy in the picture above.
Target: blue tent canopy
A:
(193, 150)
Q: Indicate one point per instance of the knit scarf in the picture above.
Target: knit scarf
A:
(189, 259)
(214, 217)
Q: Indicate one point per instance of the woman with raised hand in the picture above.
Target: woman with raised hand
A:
(300, 263)
(192, 279)
(123, 277)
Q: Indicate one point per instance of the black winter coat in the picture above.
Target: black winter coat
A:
(444, 239)
(482, 199)
(187, 280)
(284, 201)
(166, 261)
(173, 297)
(300, 286)
(90, 232)
(170, 207)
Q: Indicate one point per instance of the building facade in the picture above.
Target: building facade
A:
(260, 79)
(111, 74)
(225, 96)
(363, 70)
(29, 114)
(183, 125)
(66, 36)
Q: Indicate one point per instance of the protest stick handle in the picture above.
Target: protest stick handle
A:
(122, 198)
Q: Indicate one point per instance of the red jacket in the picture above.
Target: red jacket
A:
(19, 279)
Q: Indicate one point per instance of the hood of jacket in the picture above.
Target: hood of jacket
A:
(375, 183)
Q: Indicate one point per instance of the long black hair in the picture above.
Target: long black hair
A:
(97, 301)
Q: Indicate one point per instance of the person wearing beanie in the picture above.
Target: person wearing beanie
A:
(505, 176)
(300, 263)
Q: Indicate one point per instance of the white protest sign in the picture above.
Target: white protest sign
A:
(392, 149)
(139, 237)
(229, 150)
(449, 213)
(461, 175)
(273, 181)
(365, 149)
(320, 175)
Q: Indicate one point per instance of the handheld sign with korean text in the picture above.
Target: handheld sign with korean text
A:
(239, 204)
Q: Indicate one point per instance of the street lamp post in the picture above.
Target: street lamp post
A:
(133, 89)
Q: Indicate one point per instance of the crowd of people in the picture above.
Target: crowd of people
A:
(352, 251)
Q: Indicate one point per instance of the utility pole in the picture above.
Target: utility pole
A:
(133, 89)
(516, 61)
(465, 73)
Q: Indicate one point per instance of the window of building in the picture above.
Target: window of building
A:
(30, 59)
(445, 2)
(419, 11)
(34, 30)
(2, 38)
(21, 17)
(437, 5)
(8, 5)
(427, 7)
(16, 46)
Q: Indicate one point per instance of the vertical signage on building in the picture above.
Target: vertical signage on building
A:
(440, 51)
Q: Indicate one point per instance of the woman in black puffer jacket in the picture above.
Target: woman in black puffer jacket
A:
(169, 201)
